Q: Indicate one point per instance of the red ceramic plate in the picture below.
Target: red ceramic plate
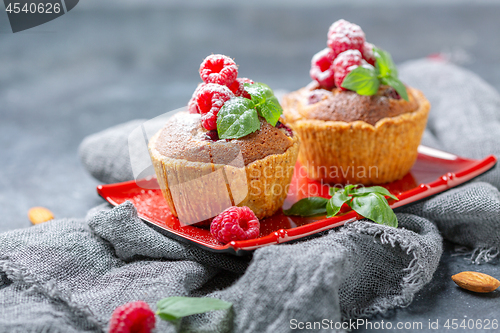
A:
(434, 172)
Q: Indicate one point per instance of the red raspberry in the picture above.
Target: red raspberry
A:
(321, 68)
(344, 64)
(235, 223)
(238, 89)
(210, 99)
(192, 105)
(218, 68)
(368, 53)
(134, 317)
(343, 36)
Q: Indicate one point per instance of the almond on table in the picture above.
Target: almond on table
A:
(475, 281)
(39, 215)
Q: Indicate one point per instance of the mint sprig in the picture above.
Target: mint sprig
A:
(366, 80)
(265, 102)
(369, 202)
(174, 308)
(311, 206)
(237, 118)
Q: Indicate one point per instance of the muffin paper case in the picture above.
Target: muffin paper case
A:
(357, 152)
(197, 191)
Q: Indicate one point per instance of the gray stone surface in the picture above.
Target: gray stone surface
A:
(104, 64)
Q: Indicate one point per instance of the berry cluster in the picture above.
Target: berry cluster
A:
(220, 83)
(347, 49)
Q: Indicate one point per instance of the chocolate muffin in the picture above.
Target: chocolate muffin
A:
(358, 123)
(201, 175)
(350, 138)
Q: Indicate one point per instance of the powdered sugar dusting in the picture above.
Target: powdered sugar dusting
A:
(344, 35)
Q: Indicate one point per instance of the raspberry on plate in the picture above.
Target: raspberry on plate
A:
(219, 69)
(235, 223)
(321, 68)
(343, 36)
(344, 64)
(210, 99)
(238, 88)
(133, 317)
(367, 52)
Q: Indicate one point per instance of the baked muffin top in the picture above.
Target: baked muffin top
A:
(183, 137)
(312, 102)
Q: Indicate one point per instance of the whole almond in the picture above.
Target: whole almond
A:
(475, 281)
(39, 215)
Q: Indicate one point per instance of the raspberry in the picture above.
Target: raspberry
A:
(134, 317)
(238, 89)
(235, 223)
(210, 99)
(211, 136)
(219, 69)
(344, 64)
(321, 68)
(367, 52)
(287, 129)
(343, 36)
(192, 105)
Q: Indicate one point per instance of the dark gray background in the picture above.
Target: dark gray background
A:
(107, 62)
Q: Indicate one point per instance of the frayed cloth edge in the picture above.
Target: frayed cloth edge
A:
(411, 283)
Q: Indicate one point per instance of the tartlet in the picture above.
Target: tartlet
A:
(230, 149)
(357, 122)
(199, 177)
(343, 142)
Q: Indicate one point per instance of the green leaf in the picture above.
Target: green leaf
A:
(362, 80)
(265, 102)
(237, 118)
(259, 92)
(174, 308)
(396, 84)
(350, 189)
(374, 189)
(333, 190)
(311, 206)
(271, 110)
(335, 203)
(384, 63)
(375, 207)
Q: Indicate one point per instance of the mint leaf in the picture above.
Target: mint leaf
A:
(271, 110)
(374, 189)
(396, 84)
(174, 308)
(265, 102)
(375, 207)
(335, 203)
(237, 118)
(333, 190)
(384, 63)
(311, 206)
(349, 189)
(259, 92)
(362, 80)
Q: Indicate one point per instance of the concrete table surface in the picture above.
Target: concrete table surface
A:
(104, 64)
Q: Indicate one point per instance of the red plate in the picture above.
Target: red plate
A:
(434, 172)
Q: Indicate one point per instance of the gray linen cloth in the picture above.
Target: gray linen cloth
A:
(69, 275)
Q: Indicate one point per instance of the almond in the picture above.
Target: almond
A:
(475, 281)
(39, 215)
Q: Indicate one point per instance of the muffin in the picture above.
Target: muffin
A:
(203, 167)
(367, 135)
